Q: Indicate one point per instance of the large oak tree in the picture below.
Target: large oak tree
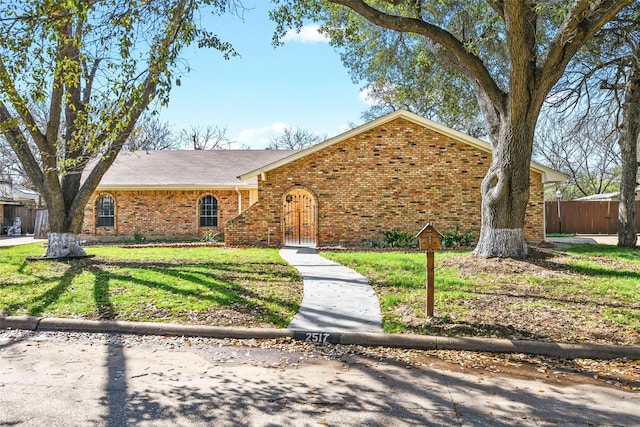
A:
(533, 40)
(97, 64)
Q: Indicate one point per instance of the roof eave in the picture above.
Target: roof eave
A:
(177, 187)
(549, 176)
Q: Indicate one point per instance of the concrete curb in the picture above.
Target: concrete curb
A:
(421, 342)
(148, 328)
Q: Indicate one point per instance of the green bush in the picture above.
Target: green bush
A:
(398, 239)
(380, 243)
(454, 239)
(139, 237)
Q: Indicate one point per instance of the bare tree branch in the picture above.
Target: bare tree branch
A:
(293, 138)
(207, 138)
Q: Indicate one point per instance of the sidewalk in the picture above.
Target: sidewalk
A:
(6, 241)
(336, 298)
(603, 239)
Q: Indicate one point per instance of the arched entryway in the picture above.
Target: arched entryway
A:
(299, 208)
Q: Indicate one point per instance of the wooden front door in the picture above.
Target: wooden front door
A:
(299, 218)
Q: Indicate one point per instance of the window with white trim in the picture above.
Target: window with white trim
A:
(208, 211)
(105, 211)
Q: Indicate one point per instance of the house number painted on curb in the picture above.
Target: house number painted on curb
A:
(316, 337)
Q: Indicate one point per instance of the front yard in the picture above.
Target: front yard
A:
(200, 285)
(589, 293)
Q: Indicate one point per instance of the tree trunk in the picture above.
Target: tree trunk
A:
(627, 234)
(505, 192)
(62, 245)
(65, 222)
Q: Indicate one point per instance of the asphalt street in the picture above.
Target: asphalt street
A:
(72, 379)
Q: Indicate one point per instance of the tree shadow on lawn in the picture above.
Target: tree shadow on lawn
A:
(536, 297)
(613, 271)
(39, 303)
(223, 290)
(605, 268)
(228, 290)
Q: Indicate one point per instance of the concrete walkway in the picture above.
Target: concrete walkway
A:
(18, 240)
(336, 298)
(603, 239)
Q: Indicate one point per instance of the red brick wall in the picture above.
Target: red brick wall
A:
(259, 225)
(534, 217)
(160, 214)
(399, 175)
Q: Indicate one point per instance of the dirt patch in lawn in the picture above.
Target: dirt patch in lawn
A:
(528, 299)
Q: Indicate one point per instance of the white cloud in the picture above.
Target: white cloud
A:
(257, 138)
(260, 138)
(307, 34)
(365, 97)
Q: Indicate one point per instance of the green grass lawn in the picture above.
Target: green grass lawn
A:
(202, 285)
(585, 293)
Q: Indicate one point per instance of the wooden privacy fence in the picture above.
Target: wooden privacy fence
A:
(585, 217)
(41, 228)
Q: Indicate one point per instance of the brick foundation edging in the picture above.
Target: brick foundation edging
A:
(418, 342)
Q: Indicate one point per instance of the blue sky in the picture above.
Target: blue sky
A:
(302, 84)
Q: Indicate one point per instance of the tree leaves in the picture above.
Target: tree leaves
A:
(98, 65)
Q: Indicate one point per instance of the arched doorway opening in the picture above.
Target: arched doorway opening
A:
(299, 208)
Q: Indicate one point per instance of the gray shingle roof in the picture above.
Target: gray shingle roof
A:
(187, 168)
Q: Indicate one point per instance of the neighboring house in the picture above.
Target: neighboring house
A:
(160, 194)
(605, 196)
(17, 208)
(399, 171)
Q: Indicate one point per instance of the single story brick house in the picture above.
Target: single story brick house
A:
(173, 194)
(399, 171)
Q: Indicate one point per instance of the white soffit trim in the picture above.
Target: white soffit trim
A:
(181, 187)
(548, 174)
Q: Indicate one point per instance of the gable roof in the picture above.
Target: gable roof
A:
(548, 175)
(185, 169)
(10, 195)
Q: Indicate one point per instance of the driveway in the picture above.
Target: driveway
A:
(604, 239)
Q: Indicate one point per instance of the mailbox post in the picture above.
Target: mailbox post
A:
(429, 239)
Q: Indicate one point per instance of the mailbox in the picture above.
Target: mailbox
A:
(429, 238)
